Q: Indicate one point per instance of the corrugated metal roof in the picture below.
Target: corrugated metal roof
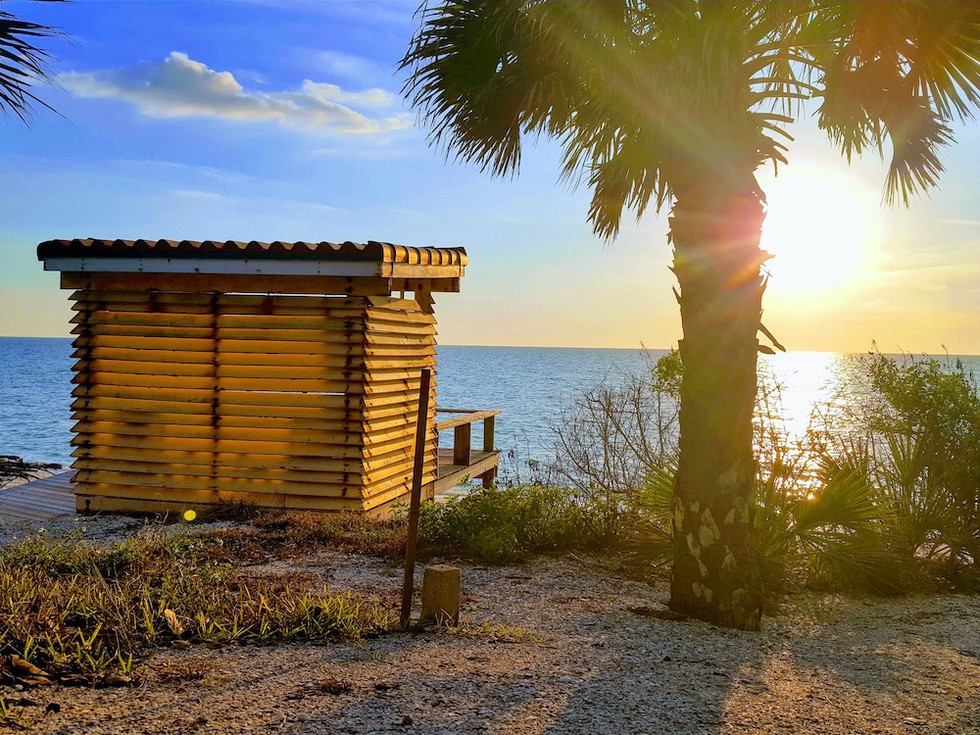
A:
(371, 251)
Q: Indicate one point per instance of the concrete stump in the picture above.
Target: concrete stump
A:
(440, 595)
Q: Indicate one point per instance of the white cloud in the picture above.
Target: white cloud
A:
(178, 86)
(374, 98)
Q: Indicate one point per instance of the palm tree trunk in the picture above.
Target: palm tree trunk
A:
(715, 232)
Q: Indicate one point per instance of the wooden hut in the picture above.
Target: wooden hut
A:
(284, 375)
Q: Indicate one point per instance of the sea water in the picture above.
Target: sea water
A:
(531, 386)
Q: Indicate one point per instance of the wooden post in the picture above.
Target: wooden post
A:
(421, 433)
(461, 445)
(440, 595)
(488, 438)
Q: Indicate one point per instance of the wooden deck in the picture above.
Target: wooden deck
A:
(53, 497)
(39, 500)
(451, 475)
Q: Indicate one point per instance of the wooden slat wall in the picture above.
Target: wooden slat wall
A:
(284, 401)
(385, 484)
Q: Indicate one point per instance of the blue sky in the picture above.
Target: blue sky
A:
(282, 120)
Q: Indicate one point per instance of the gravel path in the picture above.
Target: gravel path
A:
(561, 646)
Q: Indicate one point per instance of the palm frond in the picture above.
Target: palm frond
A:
(649, 98)
(23, 62)
(845, 501)
(899, 71)
(944, 56)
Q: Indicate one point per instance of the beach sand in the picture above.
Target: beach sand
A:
(561, 645)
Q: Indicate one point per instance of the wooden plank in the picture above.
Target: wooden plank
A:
(331, 331)
(252, 440)
(253, 303)
(146, 410)
(436, 285)
(276, 312)
(451, 475)
(97, 498)
(380, 381)
(327, 343)
(229, 453)
(489, 445)
(467, 417)
(143, 484)
(163, 424)
(344, 409)
(190, 476)
(209, 345)
(419, 270)
(212, 383)
(333, 472)
(329, 355)
(163, 447)
(245, 479)
(204, 283)
(205, 427)
(141, 315)
(39, 500)
(200, 369)
(341, 392)
(228, 313)
(287, 372)
(461, 444)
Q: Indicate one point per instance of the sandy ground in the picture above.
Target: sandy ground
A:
(563, 645)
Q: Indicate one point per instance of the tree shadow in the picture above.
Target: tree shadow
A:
(618, 672)
(672, 677)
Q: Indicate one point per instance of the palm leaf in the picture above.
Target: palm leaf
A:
(22, 63)
(899, 71)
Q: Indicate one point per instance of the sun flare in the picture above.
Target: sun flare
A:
(823, 228)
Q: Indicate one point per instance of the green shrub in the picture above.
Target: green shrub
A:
(503, 525)
(884, 500)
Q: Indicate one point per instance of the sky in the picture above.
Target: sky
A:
(265, 120)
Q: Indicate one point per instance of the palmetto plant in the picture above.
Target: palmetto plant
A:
(922, 446)
(22, 62)
(675, 104)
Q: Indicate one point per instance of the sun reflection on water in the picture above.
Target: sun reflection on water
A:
(795, 385)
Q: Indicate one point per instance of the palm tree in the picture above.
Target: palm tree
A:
(22, 62)
(677, 103)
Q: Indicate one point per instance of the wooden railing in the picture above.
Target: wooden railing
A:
(465, 462)
(462, 423)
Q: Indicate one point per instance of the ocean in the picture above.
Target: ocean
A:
(531, 386)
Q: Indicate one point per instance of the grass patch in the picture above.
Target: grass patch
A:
(503, 525)
(284, 535)
(82, 614)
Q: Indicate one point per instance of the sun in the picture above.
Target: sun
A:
(822, 226)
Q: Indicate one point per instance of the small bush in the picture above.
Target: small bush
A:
(882, 497)
(918, 440)
(503, 525)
